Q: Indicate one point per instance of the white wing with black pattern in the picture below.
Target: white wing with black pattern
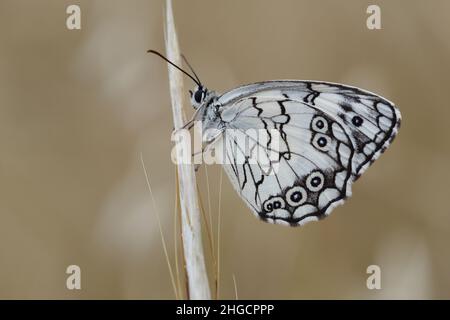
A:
(328, 135)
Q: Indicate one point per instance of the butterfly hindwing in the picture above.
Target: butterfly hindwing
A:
(311, 172)
(328, 135)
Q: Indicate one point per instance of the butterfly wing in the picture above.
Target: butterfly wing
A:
(328, 136)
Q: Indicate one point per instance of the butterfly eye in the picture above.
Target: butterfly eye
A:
(319, 124)
(296, 196)
(315, 181)
(198, 96)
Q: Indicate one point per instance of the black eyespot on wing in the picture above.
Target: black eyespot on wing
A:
(322, 142)
(357, 121)
(296, 196)
(276, 204)
(316, 181)
(320, 124)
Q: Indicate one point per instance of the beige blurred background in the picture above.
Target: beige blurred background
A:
(78, 107)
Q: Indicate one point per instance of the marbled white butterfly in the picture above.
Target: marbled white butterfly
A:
(330, 134)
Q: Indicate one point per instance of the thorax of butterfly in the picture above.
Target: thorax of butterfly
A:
(207, 106)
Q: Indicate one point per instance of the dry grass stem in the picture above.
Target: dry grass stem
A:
(190, 214)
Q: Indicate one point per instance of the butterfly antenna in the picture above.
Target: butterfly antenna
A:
(190, 67)
(173, 64)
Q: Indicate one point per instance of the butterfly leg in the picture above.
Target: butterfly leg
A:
(205, 148)
(188, 125)
(194, 155)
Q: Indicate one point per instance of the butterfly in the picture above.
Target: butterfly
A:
(329, 135)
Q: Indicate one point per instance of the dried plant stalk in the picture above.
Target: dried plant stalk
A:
(190, 213)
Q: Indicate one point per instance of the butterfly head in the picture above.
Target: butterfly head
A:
(199, 96)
